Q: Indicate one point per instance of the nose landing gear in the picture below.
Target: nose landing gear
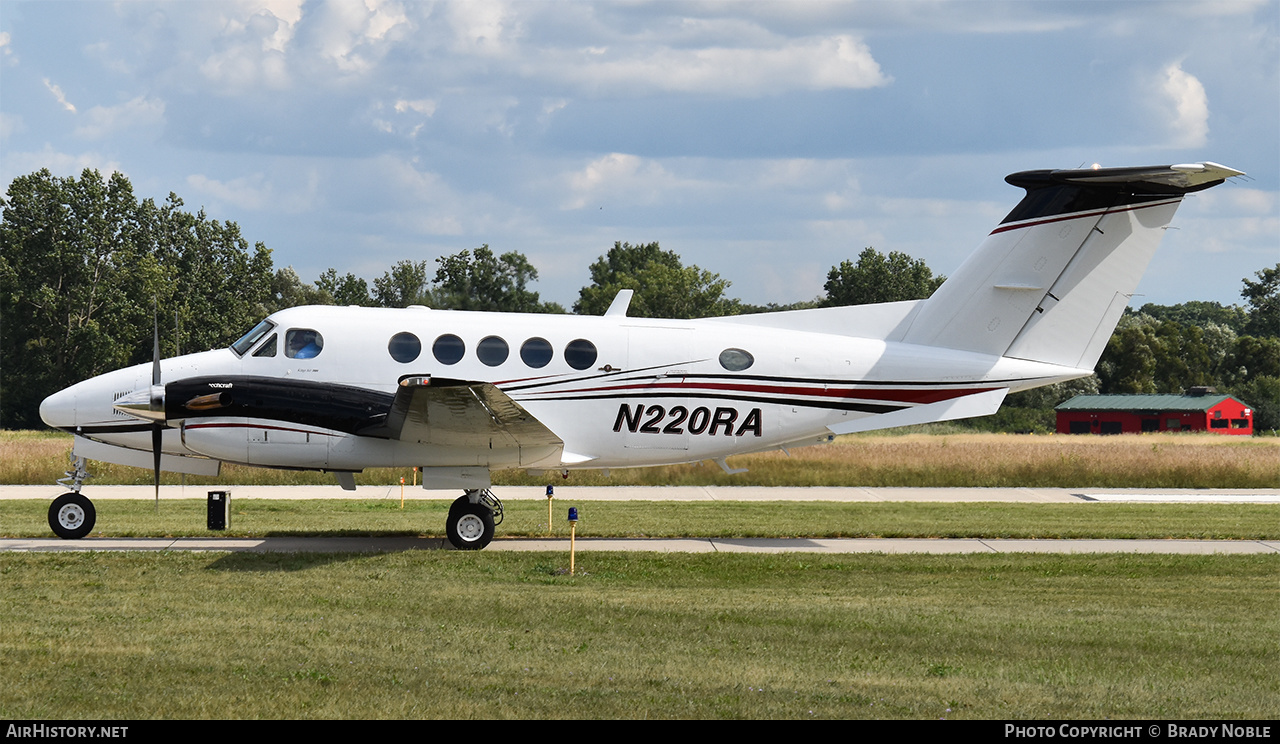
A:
(71, 515)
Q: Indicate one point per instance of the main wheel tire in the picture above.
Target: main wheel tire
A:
(470, 526)
(71, 516)
(458, 505)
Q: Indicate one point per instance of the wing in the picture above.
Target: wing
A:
(457, 413)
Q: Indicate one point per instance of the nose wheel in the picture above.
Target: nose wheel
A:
(71, 516)
(472, 519)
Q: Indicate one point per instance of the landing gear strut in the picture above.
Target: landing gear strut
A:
(71, 515)
(472, 519)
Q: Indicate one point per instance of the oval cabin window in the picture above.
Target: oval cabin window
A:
(736, 360)
(448, 349)
(492, 351)
(580, 353)
(404, 347)
(536, 352)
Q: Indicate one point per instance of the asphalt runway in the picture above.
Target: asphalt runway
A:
(567, 495)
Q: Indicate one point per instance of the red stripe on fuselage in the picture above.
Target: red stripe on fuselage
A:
(896, 396)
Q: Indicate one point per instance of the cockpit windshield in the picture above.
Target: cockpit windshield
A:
(249, 339)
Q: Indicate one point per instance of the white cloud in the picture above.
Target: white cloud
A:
(257, 193)
(1240, 201)
(288, 13)
(251, 50)
(1254, 201)
(424, 106)
(139, 113)
(618, 175)
(10, 125)
(419, 201)
(814, 63)
(59, 95)
(1190, 124)
(355, 35)
(483, 27)
(904, 208)
(235, 69)
(59, 163)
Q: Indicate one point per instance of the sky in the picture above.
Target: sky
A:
(763, 141)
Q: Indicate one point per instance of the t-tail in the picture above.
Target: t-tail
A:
(1051, 281)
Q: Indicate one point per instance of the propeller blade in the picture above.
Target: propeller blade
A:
(155, 349)
(156, 435)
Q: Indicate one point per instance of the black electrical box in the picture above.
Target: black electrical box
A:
(219, 509)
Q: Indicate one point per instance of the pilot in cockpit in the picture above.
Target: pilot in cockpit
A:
(303, 344)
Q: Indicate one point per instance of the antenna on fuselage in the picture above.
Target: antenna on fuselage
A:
(620, 303)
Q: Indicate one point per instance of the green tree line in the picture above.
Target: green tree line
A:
(84, 266)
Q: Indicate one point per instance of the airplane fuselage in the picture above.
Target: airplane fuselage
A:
(653, 392)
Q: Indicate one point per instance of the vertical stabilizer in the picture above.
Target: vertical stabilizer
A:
(1050, 283)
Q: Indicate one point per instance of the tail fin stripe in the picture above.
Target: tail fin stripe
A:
(1078, 215)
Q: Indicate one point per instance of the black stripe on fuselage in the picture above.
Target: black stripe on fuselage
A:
(89, 429)
(326, 405)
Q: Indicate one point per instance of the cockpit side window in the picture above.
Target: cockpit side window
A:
(302, 343)
(247, 341)
(268, 348)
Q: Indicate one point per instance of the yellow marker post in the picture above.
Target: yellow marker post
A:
(573, 532)
(402, 492)
(551, 490)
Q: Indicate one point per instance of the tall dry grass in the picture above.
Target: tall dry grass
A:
(972, 459)
(910, 460)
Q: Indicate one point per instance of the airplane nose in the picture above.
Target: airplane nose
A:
(59, 409)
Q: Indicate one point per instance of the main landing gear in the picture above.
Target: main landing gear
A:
(71, 515)
(472, 519)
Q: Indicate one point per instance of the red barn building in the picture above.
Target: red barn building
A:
(1132, 414)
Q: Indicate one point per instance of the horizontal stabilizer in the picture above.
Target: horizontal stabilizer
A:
(979, 404)
(1151, 179)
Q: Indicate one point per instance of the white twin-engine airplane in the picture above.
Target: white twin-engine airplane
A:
(460, 394)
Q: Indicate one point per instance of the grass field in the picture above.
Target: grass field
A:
(948, 459)
(499, 635)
